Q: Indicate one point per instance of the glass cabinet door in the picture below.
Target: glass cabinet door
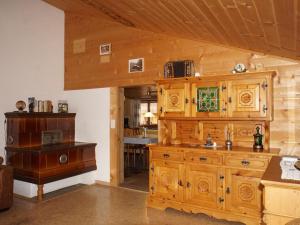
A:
(209, 99)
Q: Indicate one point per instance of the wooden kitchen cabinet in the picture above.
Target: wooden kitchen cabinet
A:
(204, 185)
(221, 183)
(243, 191)
(224, 184)
(166, 180)
(249, 98)
(245, 96)
(173, 99)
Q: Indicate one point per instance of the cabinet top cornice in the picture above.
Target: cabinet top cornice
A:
(220, 77)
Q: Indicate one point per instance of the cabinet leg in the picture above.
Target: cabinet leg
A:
(40, 192)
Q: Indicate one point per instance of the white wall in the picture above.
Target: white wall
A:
(92, 124)
(32, 64)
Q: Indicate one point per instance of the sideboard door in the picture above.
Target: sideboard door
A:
(174, 99)
(248, 98)
(166, 180)
(243, 191)
(204, 186)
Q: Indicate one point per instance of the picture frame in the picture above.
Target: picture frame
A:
(136, 65)
(105, 49)
(62, 107)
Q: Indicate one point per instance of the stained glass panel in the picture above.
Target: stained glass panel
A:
(208, 99)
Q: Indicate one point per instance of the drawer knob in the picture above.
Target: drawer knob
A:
(245, 162)
(166, 156)
(221, 200)
(221, 177)
(202, 158)
(63, 159)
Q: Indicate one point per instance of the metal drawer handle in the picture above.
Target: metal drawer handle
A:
(166, 156)
(63, 159)
(245, 162)
(227, 190)
(10, 140)
(202, 158)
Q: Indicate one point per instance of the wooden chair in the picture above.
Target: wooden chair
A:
(133, 153)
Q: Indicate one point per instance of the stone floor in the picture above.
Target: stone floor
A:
(98, 205)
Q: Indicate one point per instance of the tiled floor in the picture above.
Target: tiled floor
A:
(98, 205)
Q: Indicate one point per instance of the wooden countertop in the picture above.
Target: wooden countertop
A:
(43, 148)
(273, 175)
(235, 149)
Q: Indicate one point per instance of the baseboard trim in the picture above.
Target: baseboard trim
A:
(105, 183)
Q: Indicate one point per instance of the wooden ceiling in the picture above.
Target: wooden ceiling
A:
(267, 26)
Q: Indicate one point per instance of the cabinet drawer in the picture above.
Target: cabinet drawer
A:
(167, 155)
(247, 162)
(203, 157)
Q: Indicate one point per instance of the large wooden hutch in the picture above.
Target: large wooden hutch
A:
(42, 149)
(186, 175)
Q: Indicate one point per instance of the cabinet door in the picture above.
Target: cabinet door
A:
(166, 180)
(209, 99)
(204, 186)
(243, 191)
(248, 98)
(174, 99)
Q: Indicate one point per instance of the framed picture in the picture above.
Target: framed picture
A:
(136, 65)
(63, 107)
(105, 49)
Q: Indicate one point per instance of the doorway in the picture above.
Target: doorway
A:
(140, 129)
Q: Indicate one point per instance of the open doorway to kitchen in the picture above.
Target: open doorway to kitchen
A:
(140, 129)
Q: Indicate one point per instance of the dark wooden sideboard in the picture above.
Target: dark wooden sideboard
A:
(41, 147)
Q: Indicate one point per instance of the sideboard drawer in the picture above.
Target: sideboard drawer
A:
(203, 157)
(167, 155)
(247, 161)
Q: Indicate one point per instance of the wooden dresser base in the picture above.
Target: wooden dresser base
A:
(44, 164)
(185, 207)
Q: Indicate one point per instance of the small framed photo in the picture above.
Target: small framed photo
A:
(62, 106)
(136, 65)
(105, 49)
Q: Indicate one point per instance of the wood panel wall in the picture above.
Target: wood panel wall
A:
(85, 68)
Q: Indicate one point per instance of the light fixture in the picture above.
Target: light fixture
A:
(148, 115)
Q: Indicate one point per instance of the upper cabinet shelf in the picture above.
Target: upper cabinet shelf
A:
(246, 96)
